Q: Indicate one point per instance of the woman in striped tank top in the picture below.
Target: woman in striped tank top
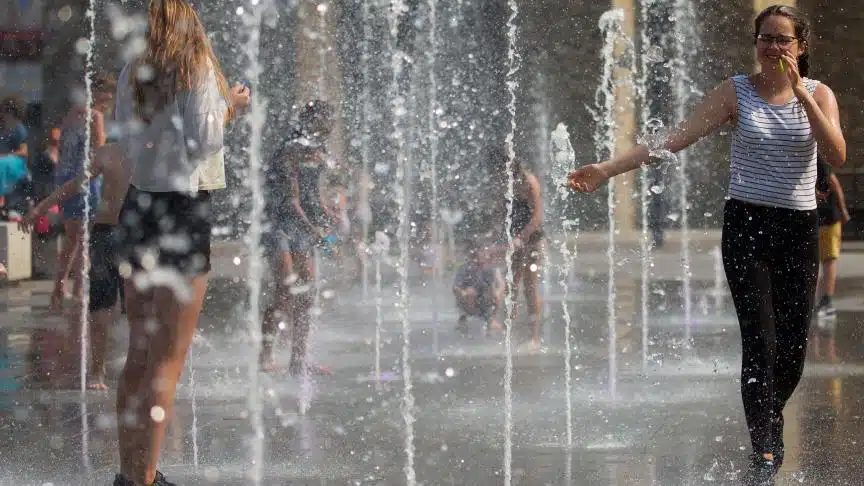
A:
(770, 229)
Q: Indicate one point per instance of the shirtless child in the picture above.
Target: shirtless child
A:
(105, 281)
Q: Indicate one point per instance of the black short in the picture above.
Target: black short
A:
(104, 273)
(166, 229)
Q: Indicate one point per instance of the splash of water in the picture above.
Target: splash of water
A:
(435, 240)
(604, 139)
(569, 259)
(564, 157)
(398, 8)
(513, 64)
(381, 249)
(84, 299)
(645, 245)
(256, 118)
(366, 136)
(685, 36)
(190, 362)
(306, 385)
(322, 49)
(563, 160)
(544, 144)
(719, 279)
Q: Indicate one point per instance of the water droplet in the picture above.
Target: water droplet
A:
(157, 413)
(240, 10)
(82, 45)
(65, 13)
(450, 372)
(145, 72)
(656, 189)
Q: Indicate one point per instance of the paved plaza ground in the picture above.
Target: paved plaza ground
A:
(674, 420)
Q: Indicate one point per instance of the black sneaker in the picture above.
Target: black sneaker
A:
(761, 471)
(159, 480)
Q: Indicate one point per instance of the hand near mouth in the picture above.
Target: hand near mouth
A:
(789, 67)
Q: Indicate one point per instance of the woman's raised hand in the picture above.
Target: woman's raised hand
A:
(587, 179)
(240, 96)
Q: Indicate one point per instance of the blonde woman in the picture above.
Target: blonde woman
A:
(174, 102)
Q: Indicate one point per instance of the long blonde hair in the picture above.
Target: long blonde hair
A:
(178, 57)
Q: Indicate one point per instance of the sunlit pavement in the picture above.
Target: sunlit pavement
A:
(676, 420)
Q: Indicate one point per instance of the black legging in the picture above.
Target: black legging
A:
(771, 260)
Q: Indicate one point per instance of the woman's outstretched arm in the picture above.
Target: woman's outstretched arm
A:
(717, 108)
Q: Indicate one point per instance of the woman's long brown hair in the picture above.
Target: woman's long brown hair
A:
(178, 58)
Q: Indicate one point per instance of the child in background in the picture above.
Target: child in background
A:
(105, 282)
(479, 289)
(832, 216)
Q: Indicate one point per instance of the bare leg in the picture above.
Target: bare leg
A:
(165, 349)
(531, 280)
(70, 367)
(69, 248)
(518, 273)
(279, 311)
(829, 277)
(305, 268)
(139, 312)
(100, 321)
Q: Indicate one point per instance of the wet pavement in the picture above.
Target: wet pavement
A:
(676, 421)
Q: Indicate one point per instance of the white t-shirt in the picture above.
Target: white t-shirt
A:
(182, 148)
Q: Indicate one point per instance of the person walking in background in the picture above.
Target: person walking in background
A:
(13, 133)
(73, 139)
(782, 119)
(42, 169)
(13, 150)
(833, 214)
(173, 103)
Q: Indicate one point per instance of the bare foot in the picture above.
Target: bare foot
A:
(2, 271)
(297, 369)
(529, 347)
(494, 326)
(57, 297)
(97, 383)
(269, 366)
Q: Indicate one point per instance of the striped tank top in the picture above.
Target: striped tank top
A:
(773, 151)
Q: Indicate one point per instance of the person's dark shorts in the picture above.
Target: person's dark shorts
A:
(169, 230)
(104, 272)
(288, 240)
